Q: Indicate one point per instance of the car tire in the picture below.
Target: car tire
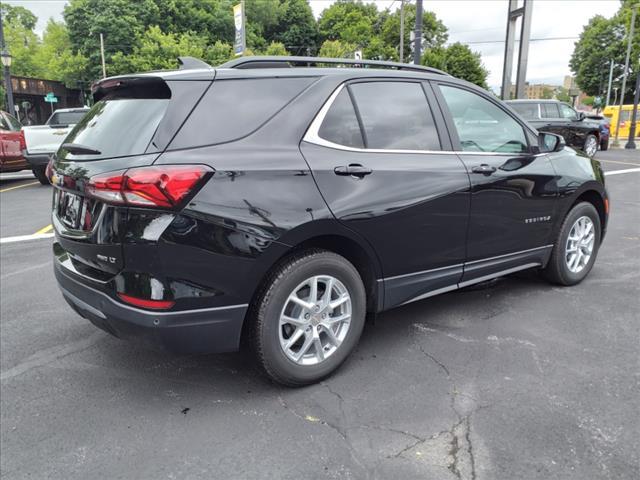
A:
(604, 145)
(269, 337)
(563, 268)
(41, 175)
(590, 146)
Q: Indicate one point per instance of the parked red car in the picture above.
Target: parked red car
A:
(11, 144)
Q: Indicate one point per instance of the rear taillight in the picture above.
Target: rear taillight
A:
(23, 142)
(145, 303)
(48, 171)
(164, 186)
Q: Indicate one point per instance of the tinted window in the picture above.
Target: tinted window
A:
(526, 110)
(567, 112)
(232, 109)
(65, 118)
(119, 127)
(550, 110)
(481, 125)
(340, 125)
(3, 123)
(395, 115)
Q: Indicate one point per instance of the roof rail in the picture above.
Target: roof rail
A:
(285, 62)
(190, 63)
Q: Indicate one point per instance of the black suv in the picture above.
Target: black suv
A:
(275, 204)
(559, 118)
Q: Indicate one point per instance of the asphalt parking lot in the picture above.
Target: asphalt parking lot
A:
(516, 380)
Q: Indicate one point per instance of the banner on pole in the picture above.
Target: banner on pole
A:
(238, 20)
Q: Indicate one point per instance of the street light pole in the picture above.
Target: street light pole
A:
(6, 63)
(417, 42)
(626, 70)
(631, 145)
(401, 31)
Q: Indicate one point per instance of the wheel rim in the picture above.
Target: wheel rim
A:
(580, 244)
(315, 320)
(591, 147)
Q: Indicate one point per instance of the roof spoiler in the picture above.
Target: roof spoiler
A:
(190, 63)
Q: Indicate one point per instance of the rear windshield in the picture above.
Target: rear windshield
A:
(526, 110)
(118, 127)
(65, 118)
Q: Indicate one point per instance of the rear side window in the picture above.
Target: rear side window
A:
(118, 127)
(526, 110)
(232, 109)
(340, 125)
(550, 110)
(12, 122)
(65, 118)
(395, 116)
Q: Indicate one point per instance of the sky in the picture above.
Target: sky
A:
(470, 21)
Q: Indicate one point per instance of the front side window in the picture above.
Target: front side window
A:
(567, 112)
(395, 116)
(481, 125)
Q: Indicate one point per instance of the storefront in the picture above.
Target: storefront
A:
(29, 97)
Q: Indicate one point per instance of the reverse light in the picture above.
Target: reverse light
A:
(164, 186)
(145, 303)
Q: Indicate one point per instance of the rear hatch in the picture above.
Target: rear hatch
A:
(132, 122)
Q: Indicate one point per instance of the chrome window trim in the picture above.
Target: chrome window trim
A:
(312, 136)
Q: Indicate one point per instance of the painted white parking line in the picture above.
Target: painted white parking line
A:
(619, 172)
(24, 238)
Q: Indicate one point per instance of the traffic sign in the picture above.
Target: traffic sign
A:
(50, 98)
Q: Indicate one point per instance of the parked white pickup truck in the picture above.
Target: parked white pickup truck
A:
(44, 140)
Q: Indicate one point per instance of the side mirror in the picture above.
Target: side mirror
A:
(550, 142)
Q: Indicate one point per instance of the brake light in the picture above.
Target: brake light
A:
(164, 186)
(144, 303)
(23, 142)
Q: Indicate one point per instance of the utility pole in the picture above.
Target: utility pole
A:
(610, 80)
(631, 144)
(6, 63)
(401, 31)
(523, 53)
(626, 70)
(104, 68)
(417, 42)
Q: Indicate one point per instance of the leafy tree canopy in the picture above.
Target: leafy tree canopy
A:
(457, 60)
(23, 16)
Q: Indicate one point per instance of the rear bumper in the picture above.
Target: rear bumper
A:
(207, 330)
(37, 159)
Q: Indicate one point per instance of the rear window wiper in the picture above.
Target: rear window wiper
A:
(80, 149)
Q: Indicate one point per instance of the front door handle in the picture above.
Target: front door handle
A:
(484, 169)
(353, 169)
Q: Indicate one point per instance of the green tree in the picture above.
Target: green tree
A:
(562, 94)
(296, 27)
(603, 40)
(218, 53)
(23, 45)
(276, 49)
(155, 50)
(120, 21)
(434, 33)
(547, 93)
(337, 49)
(23, 16)
(458, 60)
(349, 21)
(55, 58)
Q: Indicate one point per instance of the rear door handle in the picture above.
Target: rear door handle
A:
(484, 169)
(353, 169)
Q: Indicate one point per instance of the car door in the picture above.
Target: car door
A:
(571, 128)
(513, 188)
(383, 162)
(12, 154)
(550, 121)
